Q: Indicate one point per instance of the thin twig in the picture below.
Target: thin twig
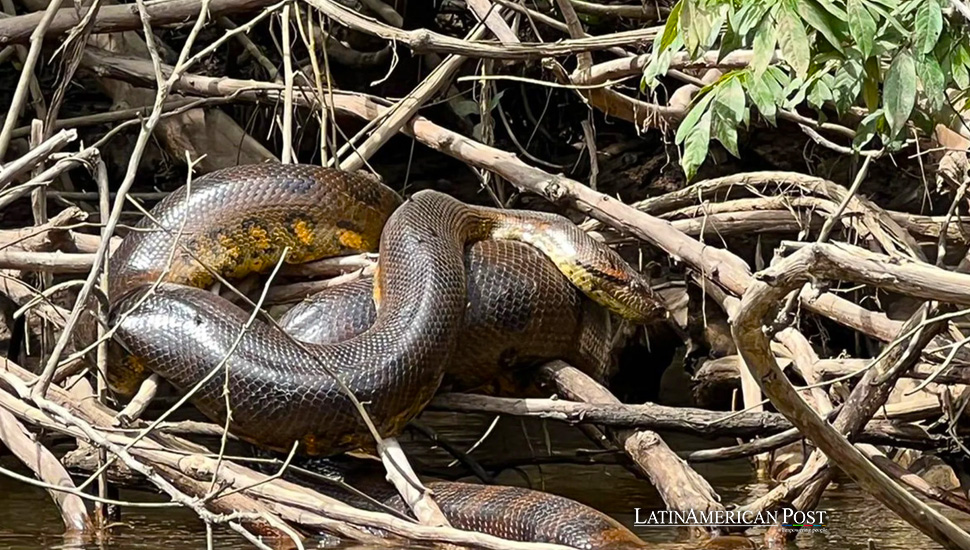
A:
(26, 73)
(287, 155)
(141, 142)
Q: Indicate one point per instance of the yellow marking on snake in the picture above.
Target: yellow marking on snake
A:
(377, 287)
(131, 374)
(259, 237)
(352, 239)
(200, 279)
(310, 444)
(229, 246)
(136, 364)
(303, 232)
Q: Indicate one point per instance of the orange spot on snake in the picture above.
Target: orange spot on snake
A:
(377, 288)
(352, 239)
(303, 231)
(259, 237)
(311, 445)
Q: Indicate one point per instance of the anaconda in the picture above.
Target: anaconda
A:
(247, 219)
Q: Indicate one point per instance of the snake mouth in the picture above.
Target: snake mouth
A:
(631, 305)
(615, 285)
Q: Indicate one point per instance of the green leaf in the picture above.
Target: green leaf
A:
(778, 83)
(890, 4)
(960, 75)
(899, 91)
(728, 110)
(657, 67)
(847, 84)
(793, 87)
(793, 40)
(760, 90)
(728, 136)
(959, 61)
(670, 27)
(819, 94)
(944, 46)
(745, 19)
(862, 26)
(929, 25)
(831, 28)
(729, 103)
(933, 79)
(799, 94)
(887, 47)
(496, 99)
(686, 21)
(890, 21)
(730, 42)
(867, 130)
(464, 107)
(765, 39)
(695, 146)
(695, 26)
(870, 85)
(694, 115)
(717, 19)
(906, 7)
(836, 11)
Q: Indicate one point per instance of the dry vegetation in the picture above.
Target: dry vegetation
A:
(795, 184)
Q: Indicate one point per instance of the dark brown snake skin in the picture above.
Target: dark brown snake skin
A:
(509, 512)
(521, 312)
(240, 220)
(522, 514)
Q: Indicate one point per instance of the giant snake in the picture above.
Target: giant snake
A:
(400, 340)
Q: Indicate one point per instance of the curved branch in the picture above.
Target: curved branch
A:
(759, 301)
(423, 40)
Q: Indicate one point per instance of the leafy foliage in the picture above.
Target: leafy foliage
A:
(899, 60)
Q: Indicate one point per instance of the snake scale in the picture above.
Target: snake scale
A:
(247, 219)
(521, 312)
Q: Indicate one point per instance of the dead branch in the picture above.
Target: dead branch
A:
(36, 155)
(45, 466)
(754, 347)
(661, 418)
(16, 30)
(679, 485)
(423, 40)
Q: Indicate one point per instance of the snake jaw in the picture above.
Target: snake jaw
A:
(624, 291)
(633, 300)
(650, 307)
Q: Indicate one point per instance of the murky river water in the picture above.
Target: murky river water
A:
(29, 522)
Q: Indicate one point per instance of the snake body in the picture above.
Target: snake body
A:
(246, 219)
(521, 312)
(513, 513)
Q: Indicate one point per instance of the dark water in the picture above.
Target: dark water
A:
(29, 521)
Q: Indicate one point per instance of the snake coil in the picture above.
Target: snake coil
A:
(246, 219)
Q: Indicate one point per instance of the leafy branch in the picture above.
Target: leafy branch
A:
(906, 63)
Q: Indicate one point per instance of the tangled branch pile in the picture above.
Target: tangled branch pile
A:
(792, 175)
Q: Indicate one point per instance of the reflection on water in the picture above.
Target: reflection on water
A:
(29, 521)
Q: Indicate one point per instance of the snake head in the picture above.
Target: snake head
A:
(612, 283)
(589, 264)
